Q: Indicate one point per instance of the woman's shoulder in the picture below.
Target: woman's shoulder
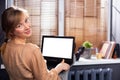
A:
(31, 46)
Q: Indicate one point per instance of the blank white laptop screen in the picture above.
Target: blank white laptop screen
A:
(57, 47)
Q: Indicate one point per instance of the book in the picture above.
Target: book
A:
(108, 49)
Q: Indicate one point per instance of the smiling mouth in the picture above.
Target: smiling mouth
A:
(28, 32)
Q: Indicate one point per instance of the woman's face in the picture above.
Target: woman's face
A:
(23, 29)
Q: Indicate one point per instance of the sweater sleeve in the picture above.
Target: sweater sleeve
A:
(39, 68)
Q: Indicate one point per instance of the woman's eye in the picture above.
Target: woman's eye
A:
(19, 25)
(27, 20)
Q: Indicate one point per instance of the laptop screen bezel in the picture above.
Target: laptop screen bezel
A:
(56, 59)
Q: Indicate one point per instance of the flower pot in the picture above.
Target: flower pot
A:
(87, 53)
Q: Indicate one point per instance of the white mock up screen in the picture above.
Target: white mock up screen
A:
(58, 47)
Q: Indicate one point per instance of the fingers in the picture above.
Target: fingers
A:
(45, 61)
(63, 61)
(66, 67)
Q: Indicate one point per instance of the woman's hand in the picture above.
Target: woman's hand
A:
(62, 66)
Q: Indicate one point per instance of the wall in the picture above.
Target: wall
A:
(116, 20)
(2, 8)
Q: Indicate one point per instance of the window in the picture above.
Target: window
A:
(86, 20)
(83, 19)
(43, 15)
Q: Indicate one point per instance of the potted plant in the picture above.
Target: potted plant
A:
(87, 51)
(87, 44)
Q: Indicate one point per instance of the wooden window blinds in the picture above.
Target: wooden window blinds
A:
(86, 20)
(43, 16)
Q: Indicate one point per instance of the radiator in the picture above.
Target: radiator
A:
(91, 74)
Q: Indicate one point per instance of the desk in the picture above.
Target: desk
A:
(83, 61)
(85, 64)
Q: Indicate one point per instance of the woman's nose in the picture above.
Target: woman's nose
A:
(27, 25)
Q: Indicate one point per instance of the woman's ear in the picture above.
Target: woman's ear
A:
(11, 34)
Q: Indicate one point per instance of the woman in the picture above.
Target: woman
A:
(23, 61)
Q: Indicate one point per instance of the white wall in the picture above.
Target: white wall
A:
(61, 18)
(116, 21)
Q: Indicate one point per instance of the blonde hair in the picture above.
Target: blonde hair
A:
(10, 19)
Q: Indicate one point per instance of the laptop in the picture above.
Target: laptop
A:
(56, 48)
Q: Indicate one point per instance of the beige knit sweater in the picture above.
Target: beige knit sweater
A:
(25, 62)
